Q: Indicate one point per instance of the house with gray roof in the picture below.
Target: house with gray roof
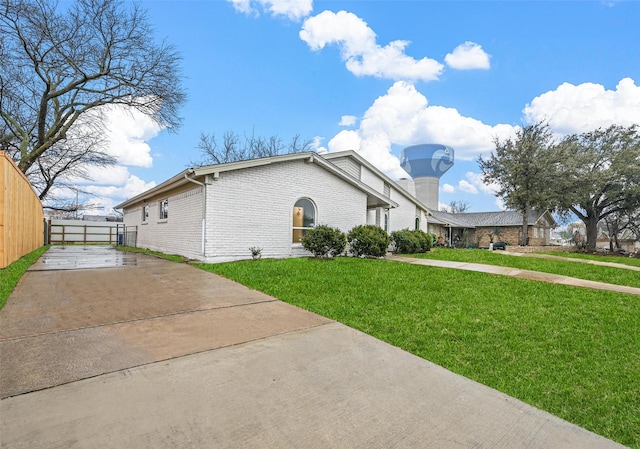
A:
(482, 228)
(215, 213)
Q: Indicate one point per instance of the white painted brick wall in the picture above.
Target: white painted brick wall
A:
(403, 216)
(372, 180)
(180, 233)
(254, 207)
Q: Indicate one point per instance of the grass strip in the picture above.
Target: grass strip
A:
(10, 275)
(598, 273)
(572, 352)
(171, 257)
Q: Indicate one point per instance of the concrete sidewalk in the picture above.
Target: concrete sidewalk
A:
(154, 354)
(518, 273)
(572, 259)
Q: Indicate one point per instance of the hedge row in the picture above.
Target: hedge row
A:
(364, 241)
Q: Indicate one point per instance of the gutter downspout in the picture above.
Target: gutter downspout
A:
(204, 211)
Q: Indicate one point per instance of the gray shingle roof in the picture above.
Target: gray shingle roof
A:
(487, 219)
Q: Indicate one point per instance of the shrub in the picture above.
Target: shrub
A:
(425, 241)
(324, 241)
(410, 242)
(256, 253)
(405, 241)
(368, 241)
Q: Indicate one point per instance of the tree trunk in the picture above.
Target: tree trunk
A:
(525, 228)
(591, 223)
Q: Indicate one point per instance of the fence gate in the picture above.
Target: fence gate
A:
(78, 231)
(127, 235)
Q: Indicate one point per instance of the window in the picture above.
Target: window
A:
(304, 218)
(386, 221)
(145, 213)
(164, 209)
(417, 223)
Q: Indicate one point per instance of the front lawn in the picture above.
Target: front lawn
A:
(610, 275)
(573, 352)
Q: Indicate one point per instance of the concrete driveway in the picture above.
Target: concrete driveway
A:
(102, 349)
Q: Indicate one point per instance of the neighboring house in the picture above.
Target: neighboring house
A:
(482, 228)
(626, 239)
(216, 213)
(101, 218)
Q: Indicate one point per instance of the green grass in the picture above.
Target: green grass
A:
(573, 352)
(590, 272)
(10, 275)
(171, 257)
(633, 261)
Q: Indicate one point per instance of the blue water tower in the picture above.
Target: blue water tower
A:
(426, 163)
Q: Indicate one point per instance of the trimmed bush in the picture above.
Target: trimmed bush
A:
(368, 241)
(411, 242)
(324, 241)
(405, 242)
(425, 241)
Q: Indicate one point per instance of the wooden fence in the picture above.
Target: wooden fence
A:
(21, 215)
(78, 231)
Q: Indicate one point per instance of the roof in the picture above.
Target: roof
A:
(354, 155)
(447, 219)
(492, 219)
(374, 198)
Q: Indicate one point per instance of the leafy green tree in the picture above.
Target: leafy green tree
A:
(524, 170)
(61, 66)
(601, 177)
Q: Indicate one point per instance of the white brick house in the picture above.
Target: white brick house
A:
(216, 213)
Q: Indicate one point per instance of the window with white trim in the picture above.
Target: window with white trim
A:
(145, 213)
(304, 218)
(164, 209)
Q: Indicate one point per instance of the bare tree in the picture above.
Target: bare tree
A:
(61, 67)
(234, 149)
(457, 207)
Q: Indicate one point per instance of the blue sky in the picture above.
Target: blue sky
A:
(377, 76)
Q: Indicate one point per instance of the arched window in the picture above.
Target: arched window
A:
(304, 218)
(417, 223)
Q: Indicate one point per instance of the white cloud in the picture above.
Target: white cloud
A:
(466, 187)
(130, 188)
(292, 9)
(575, 109)
(315, 143)
(348, 120)
(360, 51)
(475, 179)
(468, 56)
(447, 188)
(128, 132)
(113, 175)
(403, 117)
(106, 197)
